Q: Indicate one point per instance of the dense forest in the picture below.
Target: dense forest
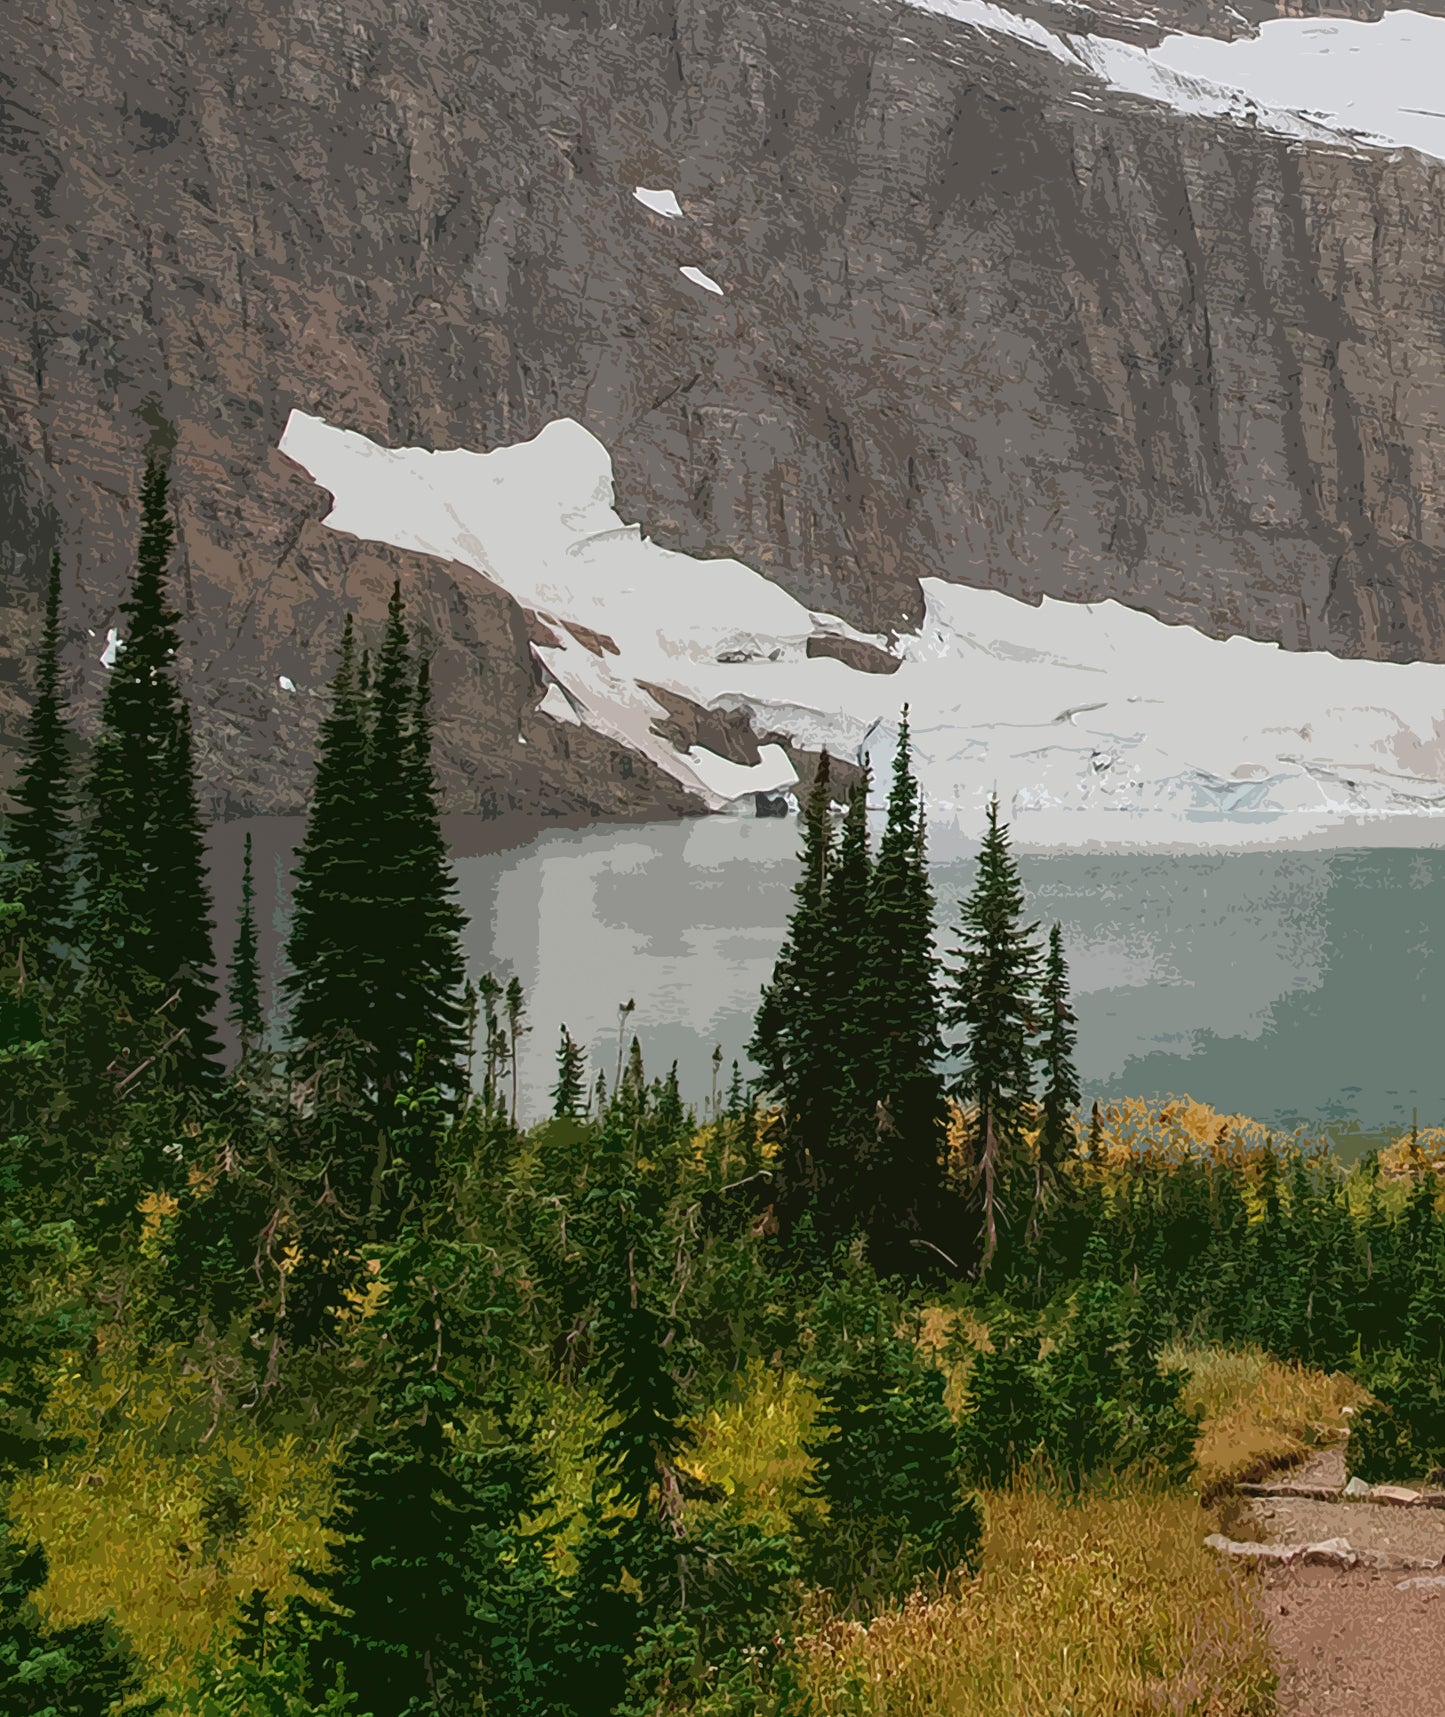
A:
(328, 1386)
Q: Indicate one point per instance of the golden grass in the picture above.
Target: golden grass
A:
(1104, 1609)
(121, 1521)
(1259, 1413)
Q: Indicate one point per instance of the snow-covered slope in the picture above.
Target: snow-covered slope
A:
(1092, 722)
(1370, 84)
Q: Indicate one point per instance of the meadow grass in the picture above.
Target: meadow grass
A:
(1103, 1607)
(1104, 1604)
(167, 1533)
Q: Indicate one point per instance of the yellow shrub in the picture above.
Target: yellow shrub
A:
(121, 1521)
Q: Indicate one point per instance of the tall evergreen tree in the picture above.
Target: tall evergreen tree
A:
(419, 966)
(375, 947)
(899, 1002)
(841, 1161)
(789, 1042)
(568, 1092)
(39, 832)
(243, 990)
(146, 926)
(1055, 1057)
(329, 929)
(992, 998)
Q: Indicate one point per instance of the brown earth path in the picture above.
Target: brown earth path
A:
(1353, 1642)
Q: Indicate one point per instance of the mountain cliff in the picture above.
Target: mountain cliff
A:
(982, 319)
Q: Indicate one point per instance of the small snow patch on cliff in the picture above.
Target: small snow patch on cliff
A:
(698, 278)
(660, 202)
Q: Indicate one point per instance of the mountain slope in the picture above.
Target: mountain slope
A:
(981, 320)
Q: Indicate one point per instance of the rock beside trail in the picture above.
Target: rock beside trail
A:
(1328, 1553)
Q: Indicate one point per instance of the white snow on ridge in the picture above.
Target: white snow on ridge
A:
(662, 203)
(1370, 85)
(1093, 722)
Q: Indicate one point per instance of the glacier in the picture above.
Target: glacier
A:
(1371, 85)
(1096, 724)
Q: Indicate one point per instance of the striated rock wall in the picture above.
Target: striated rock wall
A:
(980, 322)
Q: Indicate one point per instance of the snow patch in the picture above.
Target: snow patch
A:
(660, 202)
(556, 705)
(113, 647)
(1368, 85)
(698, 278)
(1093, 721)
(286, 683)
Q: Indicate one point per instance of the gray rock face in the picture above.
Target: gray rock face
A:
(973, 326)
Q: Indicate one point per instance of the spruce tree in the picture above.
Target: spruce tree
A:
(431, 1548)
(332, 878)
(420, 916)
(899, 1005)
(992, 996)
(516, 1007)
(146, 927)
(1055, 1057)
(841, 1162)
(39, 832)
(243, 989)
(789, 1042)
(568, 1092)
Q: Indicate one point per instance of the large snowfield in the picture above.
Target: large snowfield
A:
(1372, 85)
(1093, 723)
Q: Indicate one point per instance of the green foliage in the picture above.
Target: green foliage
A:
(243, 988)
(570, 1090)
(145, 924)
(993, 999)
(898, 1002)
(82, 1671)
(886, 1456)
(40, 831)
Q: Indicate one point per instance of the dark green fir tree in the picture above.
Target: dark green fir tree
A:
(841, 1163)
(39, 832)
(789, 1042)
(993, 989)
(333, 875)
(899, 1005)
(1059, 1100)
(146, 927)
(569, 1093)
(243, 988)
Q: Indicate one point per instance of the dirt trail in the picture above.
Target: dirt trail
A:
(1354, 1641)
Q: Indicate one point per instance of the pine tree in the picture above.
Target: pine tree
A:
(375, 947)
(516, 1007)
(841, 1161)
(331, 882)
(789, 1042)
(39, 832)
(243, 990)
(1055, 1056)
(425, 954)
(414, 1510)
(992, 998)
(146, 926)
(899, 1008)
(571, 1083)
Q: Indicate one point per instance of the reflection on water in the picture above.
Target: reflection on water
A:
(1292, 986)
